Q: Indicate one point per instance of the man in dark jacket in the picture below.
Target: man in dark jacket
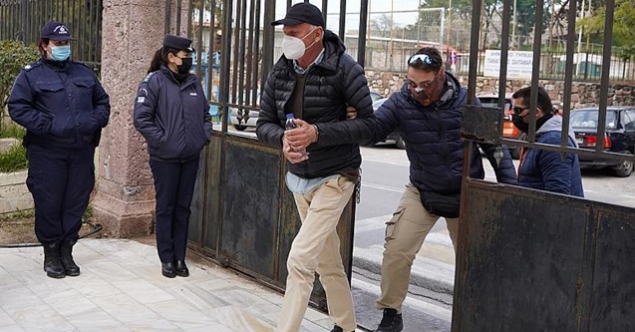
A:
(427, 113)
(63, 107)
(313, 82)
(541, 169)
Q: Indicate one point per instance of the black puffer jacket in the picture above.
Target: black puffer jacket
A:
(330, 85)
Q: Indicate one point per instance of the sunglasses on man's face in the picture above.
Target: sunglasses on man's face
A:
(517, 110)
(423, 58)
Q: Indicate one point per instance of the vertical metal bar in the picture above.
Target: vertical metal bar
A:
(442, 31)
(223, 109)
(606, 67)
(79, 25)
(92, 50)
(502, 80)
(568, 73)
(256, 49)
(225, 70)
(268, 40)
(211, 51)
(190, 6)
(75, 21)
(23, 10)
(473, 72)
(168, 15)
(199, 41)
(241, 52)
(250, 53)
(342, 32)
(179, 9)
(98, 28)
(363, 31)
(535, 74)
(237, 44)
(289, 4)
(325, 8)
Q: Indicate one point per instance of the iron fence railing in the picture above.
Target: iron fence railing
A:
(23, 19)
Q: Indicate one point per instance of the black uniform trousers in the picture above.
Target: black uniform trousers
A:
(60, 180)
(174, 187)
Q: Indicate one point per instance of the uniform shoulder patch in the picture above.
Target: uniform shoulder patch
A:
(149, 76)
(32, 65)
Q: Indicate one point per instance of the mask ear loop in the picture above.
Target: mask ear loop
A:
(308, 34)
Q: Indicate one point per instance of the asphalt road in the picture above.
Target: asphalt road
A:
(385, 172)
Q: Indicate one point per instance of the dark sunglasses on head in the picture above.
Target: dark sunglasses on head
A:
(423, 58)
(517, 110)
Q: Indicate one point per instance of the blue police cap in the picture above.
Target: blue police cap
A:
(56, 31)
(178, 43)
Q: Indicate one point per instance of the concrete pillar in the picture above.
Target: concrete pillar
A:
(132, 32)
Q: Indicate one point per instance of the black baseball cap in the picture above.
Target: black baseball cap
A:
(302, 12)
(57, 31)
(178, 43)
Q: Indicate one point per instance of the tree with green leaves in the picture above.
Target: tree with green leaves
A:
(13, 57)
(623, 32)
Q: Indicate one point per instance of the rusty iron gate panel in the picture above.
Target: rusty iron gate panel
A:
(537, 261)
(530, 260)
(243, 216)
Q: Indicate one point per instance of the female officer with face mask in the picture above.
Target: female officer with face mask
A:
(171, 112)
(63, 107)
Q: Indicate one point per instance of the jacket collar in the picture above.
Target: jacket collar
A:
(170, 75)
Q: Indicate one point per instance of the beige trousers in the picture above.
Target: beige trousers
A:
(405, 234)
(316, 248)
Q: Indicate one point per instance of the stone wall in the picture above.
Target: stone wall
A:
(14, 195)
(583, 93)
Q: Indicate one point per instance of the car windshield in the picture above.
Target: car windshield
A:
(588, 119)
(493, 102)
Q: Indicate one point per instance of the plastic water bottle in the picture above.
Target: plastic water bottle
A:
(290, 124)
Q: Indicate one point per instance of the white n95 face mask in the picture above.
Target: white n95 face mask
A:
(293, 47)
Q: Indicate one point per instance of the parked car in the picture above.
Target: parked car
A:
(394, 137)
(509, 130)
(242, 119)
(619, 138)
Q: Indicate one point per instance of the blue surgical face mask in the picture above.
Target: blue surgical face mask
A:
(60, 53)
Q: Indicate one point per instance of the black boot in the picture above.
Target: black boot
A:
(391, 322)
(181, 269)
(168, 270)
(66, 256)
(52, 265)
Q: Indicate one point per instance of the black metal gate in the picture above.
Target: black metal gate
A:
(531, 260)
(23, 19)
(243, 216)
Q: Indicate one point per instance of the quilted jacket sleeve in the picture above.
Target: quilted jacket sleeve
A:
(268, 128)
(356, 94)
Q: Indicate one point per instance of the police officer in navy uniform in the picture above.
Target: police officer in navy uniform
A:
(63, 107)
(171, 112)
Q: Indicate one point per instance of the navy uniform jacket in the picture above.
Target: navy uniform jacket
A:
(173, 117)
(60, 104)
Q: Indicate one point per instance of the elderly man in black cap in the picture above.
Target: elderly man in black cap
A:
(171, 112)
(311, 84)
(63, 107)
